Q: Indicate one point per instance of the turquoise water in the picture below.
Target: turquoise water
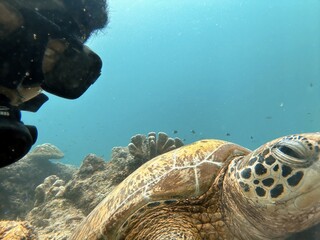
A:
(243, 71)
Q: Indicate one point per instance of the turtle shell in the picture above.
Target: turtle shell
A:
(186, 172)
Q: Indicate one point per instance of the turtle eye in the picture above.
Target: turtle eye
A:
(294, 152)
(290, 152)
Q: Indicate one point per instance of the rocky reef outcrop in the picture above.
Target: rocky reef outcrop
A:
(16, 230)
(19, 180)
(53, 216)
(63, 204)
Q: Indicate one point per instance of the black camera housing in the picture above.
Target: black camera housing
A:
(16, 138)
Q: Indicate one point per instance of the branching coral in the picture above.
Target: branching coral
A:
(52, 187)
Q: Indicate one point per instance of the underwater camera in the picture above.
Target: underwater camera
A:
(16, 138)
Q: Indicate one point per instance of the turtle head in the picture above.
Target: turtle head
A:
(278, 185)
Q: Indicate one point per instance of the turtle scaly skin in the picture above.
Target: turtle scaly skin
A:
(163, 181)
(275, 190)
(213, 189)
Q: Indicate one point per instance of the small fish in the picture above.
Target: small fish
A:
(227, 134)
(311, 84)
(268, 117)
(193, 131)
(251, 137)
(175, 131)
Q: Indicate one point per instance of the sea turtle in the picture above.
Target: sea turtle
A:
(213, 189)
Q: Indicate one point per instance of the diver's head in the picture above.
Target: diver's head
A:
(43, 49)
(16, 138)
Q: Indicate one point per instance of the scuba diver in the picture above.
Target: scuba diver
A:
(42, 48)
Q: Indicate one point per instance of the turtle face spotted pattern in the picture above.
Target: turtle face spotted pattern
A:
(279, 170)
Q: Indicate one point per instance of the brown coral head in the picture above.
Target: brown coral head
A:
(46, 151)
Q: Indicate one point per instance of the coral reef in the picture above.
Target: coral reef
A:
(95, 179)
(18, 181)
(60, 205)
(45, 151)
(144, 148)
(90, 184)
(16, 230)
(52, 187)
(53, 216)
(58, 197)
(55, 198)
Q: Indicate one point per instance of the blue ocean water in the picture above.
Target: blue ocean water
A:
(243, 71)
